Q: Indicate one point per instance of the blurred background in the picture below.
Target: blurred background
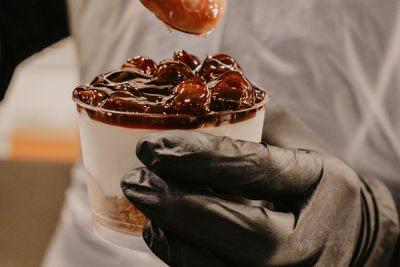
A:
(38, 145)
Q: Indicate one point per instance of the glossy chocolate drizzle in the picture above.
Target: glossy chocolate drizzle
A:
(178, 93)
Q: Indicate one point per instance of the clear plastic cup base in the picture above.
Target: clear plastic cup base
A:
(135, 245)
(133, 242)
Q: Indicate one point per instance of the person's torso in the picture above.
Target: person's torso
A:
(335, 63)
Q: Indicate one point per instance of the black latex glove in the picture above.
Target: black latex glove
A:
(323, 213)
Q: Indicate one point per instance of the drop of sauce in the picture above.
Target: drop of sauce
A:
(191, 16)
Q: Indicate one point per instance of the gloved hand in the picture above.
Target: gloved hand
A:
(319, 212)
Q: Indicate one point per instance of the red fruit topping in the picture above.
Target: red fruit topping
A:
(259, 94)
(228, 60)
(99, 80)
(124, 101)
(143, 64)
(172, 72)
(126, 86)
(116, 77)
(212, 68)
(177, 86)
(189, 59)
(190, 97)
(231, 92)
(91, 97)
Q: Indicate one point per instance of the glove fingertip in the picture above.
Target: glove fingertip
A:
(155, 239)
(175, 251)
(150, 147)
(134, 176)
(145, 149)
(135, 183)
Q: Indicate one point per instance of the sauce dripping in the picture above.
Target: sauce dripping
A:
(191, 16)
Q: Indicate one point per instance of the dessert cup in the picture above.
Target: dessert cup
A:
(108, 141)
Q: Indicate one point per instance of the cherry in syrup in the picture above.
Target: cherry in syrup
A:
(231, 91)
(190, 97)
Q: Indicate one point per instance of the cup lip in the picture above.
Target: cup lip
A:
(159, 115)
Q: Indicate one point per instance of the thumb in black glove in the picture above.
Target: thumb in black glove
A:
(324, 213)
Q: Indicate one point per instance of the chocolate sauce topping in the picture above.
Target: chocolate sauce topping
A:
(178, 87)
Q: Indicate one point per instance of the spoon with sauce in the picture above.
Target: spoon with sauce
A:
(197, 17)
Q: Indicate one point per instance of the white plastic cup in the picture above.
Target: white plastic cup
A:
(108, 141)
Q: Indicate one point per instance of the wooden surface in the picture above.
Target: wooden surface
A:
(36, 144)
(31, 195)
